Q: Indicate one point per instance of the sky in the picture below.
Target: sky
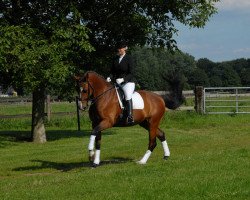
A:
(225, 37)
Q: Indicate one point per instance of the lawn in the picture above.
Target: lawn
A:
(209, 160)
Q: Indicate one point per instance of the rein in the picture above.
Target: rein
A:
(94, 99)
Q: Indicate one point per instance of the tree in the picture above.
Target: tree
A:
(223, 75)
(206, 65)
(152, 64)
(43, 42)
(139, 23)
(245, 74)
(198, 77)
(38, 51)
(229, 75)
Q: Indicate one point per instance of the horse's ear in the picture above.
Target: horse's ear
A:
(77, 78)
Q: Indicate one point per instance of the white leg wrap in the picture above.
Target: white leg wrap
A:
(145, 157)
(165, 148)
(97, 157)
(91, 142)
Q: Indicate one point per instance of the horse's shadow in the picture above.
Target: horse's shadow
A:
(65, 167)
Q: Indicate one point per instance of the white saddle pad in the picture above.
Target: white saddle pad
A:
(137, 100)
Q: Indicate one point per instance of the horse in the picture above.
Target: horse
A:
(105, 112)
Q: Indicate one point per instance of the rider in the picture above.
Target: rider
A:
(122, 72)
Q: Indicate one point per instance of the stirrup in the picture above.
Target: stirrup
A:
(130, 120)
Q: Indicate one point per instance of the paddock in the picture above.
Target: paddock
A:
(209, 160)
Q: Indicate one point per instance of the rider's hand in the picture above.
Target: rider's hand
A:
(108, 79)
(119, 80)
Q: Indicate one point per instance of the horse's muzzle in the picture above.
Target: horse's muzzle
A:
(81, 106)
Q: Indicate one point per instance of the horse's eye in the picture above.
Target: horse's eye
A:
(83, 90)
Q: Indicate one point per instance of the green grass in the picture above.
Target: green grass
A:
(209, 160)
(26, 108)
(14, 109)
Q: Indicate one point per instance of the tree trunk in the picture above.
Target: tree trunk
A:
(38, 105)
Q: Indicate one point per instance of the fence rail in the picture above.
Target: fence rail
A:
(226, 100)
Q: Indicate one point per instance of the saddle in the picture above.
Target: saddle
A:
(137, 102)
(121, 96)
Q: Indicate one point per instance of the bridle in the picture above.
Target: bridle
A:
(90, 97)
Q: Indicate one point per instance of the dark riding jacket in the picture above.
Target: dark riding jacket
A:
(124, 69)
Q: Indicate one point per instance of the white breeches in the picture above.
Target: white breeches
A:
(128, 89)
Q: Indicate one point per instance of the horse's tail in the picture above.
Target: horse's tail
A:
(173, 100)
(175, 83)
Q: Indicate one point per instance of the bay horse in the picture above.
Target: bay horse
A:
(105, 110)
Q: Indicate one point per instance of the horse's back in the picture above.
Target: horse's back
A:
(153, 103)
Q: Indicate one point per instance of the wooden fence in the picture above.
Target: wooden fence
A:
(49, 100)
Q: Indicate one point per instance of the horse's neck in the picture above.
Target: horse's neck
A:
(100, 86)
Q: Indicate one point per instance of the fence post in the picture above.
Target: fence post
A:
(78, 115)
(199, 99)
(48, 107)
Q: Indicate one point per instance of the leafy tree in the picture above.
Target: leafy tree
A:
(176, 80)
(223, 75)
(242, 67)
(229, 76)
(215, 81)
(138, 23)
(245, 77)
(206, 65)
(153, 65)
(239, 64)
(183, 64)
(198, 77)
(38, 51)
(150, 64)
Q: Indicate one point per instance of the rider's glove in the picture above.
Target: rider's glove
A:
(119, 80)
(108, 79)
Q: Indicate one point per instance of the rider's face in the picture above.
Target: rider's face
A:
(121, 51)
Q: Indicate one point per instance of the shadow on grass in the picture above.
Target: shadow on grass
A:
(25, 136)
(65, 167)
(8, 138)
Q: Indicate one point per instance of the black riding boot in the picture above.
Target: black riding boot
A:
(130, 119)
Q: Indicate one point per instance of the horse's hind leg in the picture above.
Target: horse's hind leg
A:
(161, 137)
(152, 140)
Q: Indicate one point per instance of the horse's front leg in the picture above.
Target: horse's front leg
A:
(95, 138)
(92, 153)
(96, 160)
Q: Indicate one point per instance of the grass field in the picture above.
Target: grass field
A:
(209, 160)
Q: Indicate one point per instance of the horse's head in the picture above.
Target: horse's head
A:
(85, 91)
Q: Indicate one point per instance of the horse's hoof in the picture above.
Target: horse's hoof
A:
(141, 163)
(91, 158)
(165, 157)
(94, 165)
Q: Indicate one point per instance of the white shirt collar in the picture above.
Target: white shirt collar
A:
(121, 57)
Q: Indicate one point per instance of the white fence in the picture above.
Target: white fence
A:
(226, 100)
